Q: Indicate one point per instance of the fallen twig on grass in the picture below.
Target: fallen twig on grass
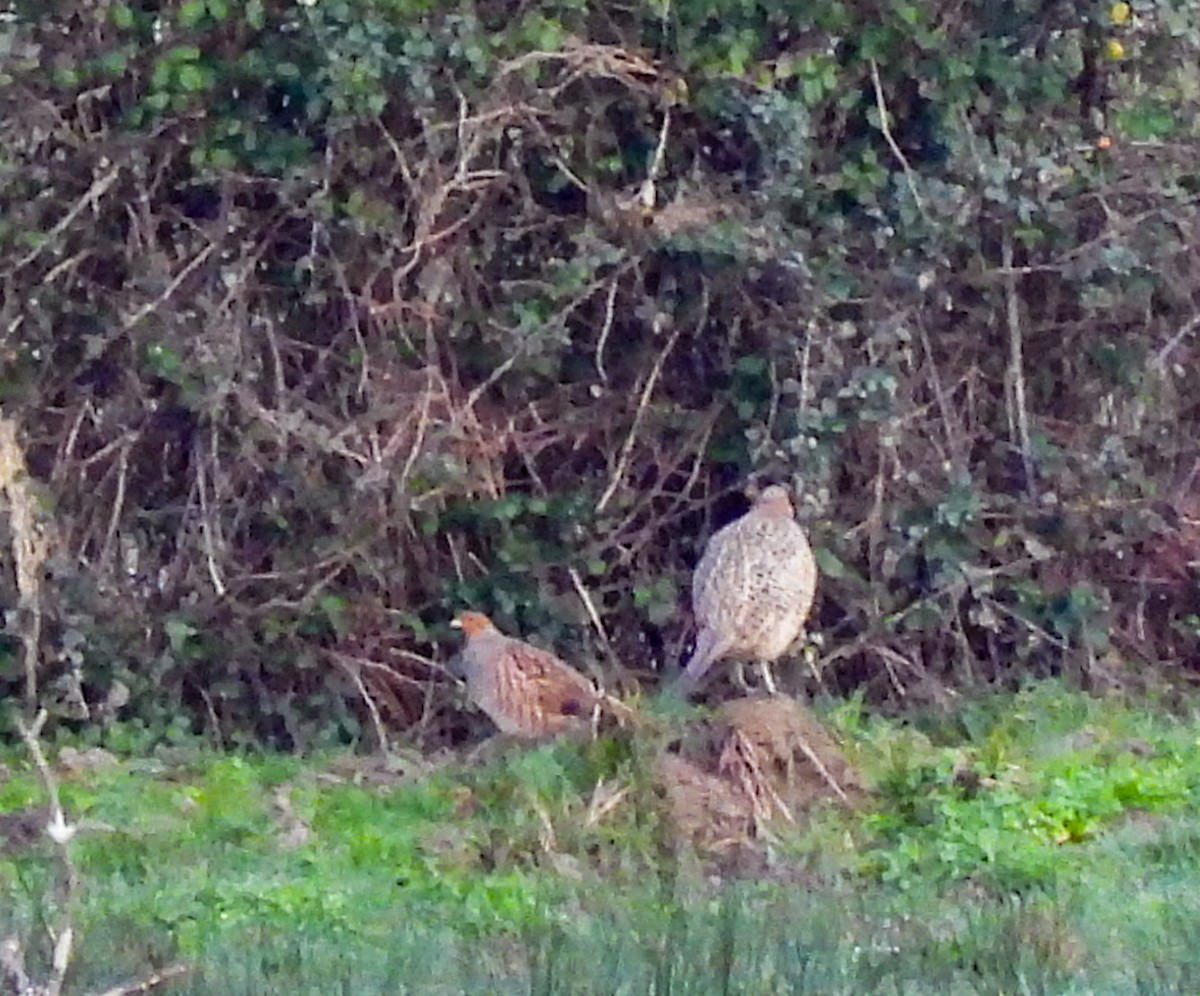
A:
(14, 975)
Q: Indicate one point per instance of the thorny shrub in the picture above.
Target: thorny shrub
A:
(321, 320)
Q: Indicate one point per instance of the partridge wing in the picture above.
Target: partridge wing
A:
(780, 572)
(558, 687)
(779, 581)
(537, 694)
(718, 584)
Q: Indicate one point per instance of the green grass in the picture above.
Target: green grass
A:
(1044, 842)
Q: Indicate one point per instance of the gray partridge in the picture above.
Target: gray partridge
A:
(753, 588)
(526, 691)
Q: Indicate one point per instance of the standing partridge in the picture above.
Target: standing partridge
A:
(527, 692)
(753, 589)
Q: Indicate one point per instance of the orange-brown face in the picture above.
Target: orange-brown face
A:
(472, 622)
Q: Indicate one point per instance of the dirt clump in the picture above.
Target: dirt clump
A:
(752, 768)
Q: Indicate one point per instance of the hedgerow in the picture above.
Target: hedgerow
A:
(323, 319)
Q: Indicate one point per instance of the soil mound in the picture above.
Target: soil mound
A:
(757, 765)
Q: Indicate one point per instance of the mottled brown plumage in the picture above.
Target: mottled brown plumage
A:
(527, 692)
(753, 588)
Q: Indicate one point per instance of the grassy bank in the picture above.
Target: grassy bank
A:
(1044, 842)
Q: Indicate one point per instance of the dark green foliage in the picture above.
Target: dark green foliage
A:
(322, 321)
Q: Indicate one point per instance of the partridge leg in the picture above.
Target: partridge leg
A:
(768, 678)
(739, 677)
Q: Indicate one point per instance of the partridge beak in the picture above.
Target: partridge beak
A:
(456, 623)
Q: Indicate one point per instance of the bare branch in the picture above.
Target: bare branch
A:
(377, 721)
(60, 833)
(622, 467)
(97, 190)
(151, 306)
(1015, 376)
(886, 128)
(151, 981)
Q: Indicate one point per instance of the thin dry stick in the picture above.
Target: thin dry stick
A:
(1033, 627)
(491, 378)
(118, 505)
(823, 771)
(954, 438)
(604, 800)
(609, 314)
(171, 288)
(68, 447)
(206, 531)
(60, 832)
(422, 427)
(814, 667)
(395, 675)
(616, 708)
(376, 719)
(60, 268)
(646, 499)
(890, 668)
(590, 608)
(455, 559)
(1189, 479)
(886, 128)
(697, 460)
(428, 662)
(804, 357)
(559, 320)
(648, 196)
(94, 193)
(522, 448)
(151, 981)
(280, 383)
(546, 838)
(1160, 358)
(627, 448)
(899, 658)
(127, 438)
(740, 755)
(875, 530)
(213, 718)
(567, 171)
(1018, 412)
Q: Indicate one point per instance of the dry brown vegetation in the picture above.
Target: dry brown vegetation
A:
(302, 360)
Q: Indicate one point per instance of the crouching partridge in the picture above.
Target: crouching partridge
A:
(753, 589)
(526, 691)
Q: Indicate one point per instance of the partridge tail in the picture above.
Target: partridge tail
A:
(709, 649)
